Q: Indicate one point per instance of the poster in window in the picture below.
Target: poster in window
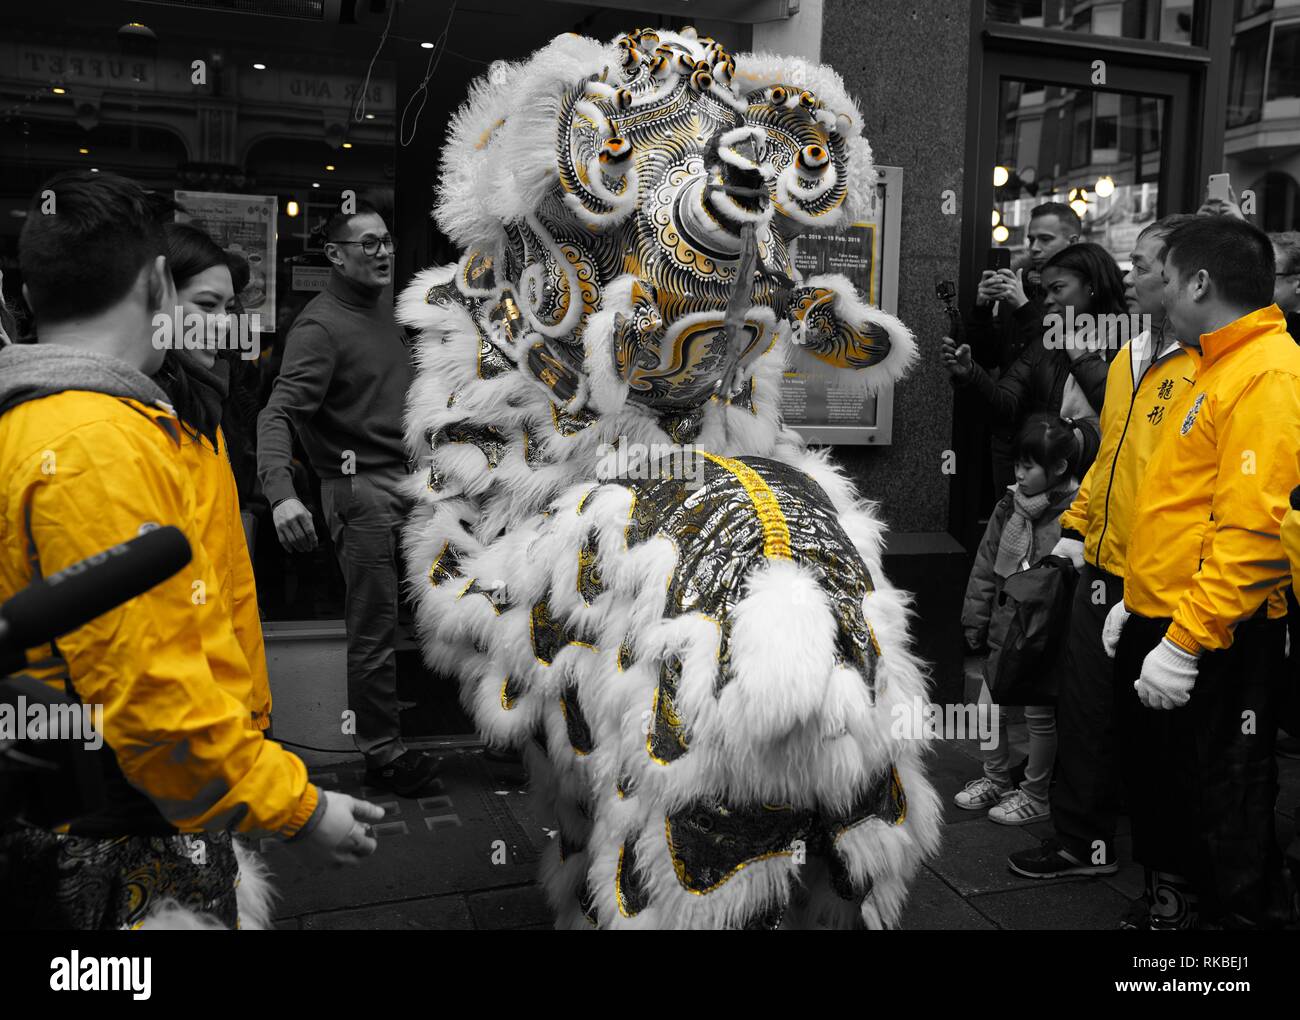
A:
(243, 225)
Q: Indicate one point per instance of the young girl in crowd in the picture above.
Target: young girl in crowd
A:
(1023, 529)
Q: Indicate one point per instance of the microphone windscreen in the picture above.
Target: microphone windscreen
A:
(76, 595)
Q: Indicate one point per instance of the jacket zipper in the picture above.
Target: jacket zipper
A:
(1105, 521)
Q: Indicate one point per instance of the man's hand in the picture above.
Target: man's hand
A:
(342, 836)
(294, 526)
(1218, 207)
(956, 360)
(1070, 549)
(990, 288)
(1013, 287)
(1110, 630)
(1168, 676)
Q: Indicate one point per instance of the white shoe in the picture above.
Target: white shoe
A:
(1018, 808)
(979, 794)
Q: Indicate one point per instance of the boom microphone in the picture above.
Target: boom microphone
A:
(77, 594)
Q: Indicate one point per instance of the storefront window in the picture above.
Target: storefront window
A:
(1095, 150)
(1284, 66)
(1261, 154)
(258, 140)
(1246, 76)
(1160, 20)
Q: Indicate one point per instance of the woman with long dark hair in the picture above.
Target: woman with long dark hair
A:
(1065, 374)
(196, 378)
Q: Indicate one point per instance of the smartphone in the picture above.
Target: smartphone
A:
(999, 258)
(1220, 188)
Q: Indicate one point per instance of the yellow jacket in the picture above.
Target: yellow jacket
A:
(1205, 548)
(1291, 538)
(81, 471)
(1133, 418)
(222, 535)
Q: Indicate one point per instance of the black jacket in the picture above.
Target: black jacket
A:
(1036, 383)
(996, 341)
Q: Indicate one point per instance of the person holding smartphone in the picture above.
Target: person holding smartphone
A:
(1008, 316)
(1008, 310)
(1066, 378)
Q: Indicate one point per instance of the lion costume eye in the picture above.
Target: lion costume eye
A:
(813, 158)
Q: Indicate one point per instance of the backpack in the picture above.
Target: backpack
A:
(1031, 616)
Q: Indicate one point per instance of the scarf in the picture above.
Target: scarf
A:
(209, 388)
(1017, 537)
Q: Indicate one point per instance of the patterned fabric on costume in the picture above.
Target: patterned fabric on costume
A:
(53, 881)
(641, 578)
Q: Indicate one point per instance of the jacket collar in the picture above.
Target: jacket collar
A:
(350, 292)
(1250, 327)
(32, 371)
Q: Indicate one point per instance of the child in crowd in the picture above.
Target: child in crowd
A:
(1022, 530)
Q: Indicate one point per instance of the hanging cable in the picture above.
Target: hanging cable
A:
(422, 90)
(359, 107)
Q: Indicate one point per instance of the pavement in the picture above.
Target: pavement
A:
(464, 856)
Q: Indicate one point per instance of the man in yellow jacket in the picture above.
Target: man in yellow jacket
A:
(1198, 638)
(89, 457)
(1146, 378)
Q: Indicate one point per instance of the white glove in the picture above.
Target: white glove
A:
(1168, 675)
(1115, 620)
(1070, 549)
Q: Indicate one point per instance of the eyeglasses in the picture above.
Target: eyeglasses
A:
(370, 245)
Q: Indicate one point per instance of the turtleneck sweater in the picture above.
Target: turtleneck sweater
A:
(341, 388)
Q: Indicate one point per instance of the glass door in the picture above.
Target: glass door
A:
(1113, 142)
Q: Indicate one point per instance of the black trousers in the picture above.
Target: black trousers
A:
(1201, 779)
(1084, 797)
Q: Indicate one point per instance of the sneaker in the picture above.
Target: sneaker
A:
(406, 775)
(979, 794)
(1050, 860)
(1018, 808)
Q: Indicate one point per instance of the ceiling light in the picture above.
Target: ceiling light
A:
(370, 116)
(291, 208)
(329, 166)
(84, 152)
(426, 45)
(59, 90)
(1000, 233)
(259, 67)
(314, 184)
(135, 30)
(347, 145)
(1000, 176)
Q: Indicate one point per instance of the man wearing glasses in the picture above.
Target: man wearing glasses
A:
(342, 388)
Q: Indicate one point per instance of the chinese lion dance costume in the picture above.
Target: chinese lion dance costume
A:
(697, 654)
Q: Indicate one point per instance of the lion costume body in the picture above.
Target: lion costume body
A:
(639, 576)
